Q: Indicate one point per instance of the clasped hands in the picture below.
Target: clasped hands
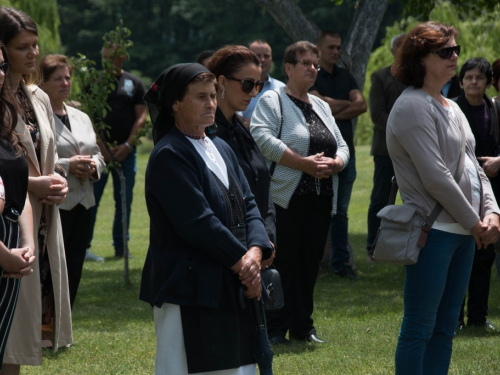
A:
(487, 231)
(248, 270)
(321, 166)
(82, 166)
(19, 263)
(50, 189)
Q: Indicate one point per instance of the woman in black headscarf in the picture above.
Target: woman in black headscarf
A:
(207, 238)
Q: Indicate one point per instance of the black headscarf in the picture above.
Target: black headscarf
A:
(164, 91)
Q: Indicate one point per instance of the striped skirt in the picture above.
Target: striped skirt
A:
(9, 288)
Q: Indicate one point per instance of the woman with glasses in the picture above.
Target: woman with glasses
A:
(298, 136)
(43, 315)
(16, 223)
(432, 148)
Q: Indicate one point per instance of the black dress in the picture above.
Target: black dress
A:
(253, 165)
(14, 173)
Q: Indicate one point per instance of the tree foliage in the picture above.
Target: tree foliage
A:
(479, 37)
(46, 15)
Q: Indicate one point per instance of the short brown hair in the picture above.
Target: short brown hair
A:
(228, 60)
(421, 40)
(50, 63)
(496, 73)
(323, 34)
(298, 48)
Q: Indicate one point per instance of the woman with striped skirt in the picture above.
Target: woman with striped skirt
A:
(16, 223)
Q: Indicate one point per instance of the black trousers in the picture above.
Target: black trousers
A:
(479, 286)
(301, 232)
(75, 226)
(382, 177)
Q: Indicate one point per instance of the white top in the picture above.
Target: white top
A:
(207, 150)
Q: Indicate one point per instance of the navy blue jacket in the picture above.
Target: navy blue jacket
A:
(189, 241)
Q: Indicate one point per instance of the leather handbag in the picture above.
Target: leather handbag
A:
(403, 228)
(272, 289)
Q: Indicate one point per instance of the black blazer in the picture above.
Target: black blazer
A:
(189, 241)
(491, 146)
(253, 165)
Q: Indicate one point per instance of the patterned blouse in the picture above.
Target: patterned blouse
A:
(321, 140)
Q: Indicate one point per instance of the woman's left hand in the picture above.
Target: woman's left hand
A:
(331, 166)
(249, 273)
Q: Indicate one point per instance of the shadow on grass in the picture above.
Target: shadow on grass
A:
(105, 303)
(378, 290)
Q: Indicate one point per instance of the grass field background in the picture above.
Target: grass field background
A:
(359, 320)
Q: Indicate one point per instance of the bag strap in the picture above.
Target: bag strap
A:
(273, 165)
(431, 218)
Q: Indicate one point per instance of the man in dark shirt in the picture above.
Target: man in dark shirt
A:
(126, 116)
(338, 88)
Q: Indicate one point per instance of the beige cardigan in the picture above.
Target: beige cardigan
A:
(425, 145)
(24, 344)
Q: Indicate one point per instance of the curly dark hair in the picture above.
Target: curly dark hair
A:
(422, 39)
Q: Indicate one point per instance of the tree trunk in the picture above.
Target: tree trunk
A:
(358, 45)
(356, 48)
(291, 18)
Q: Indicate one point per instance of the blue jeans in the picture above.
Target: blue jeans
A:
(129, 168)
(339, 224)
(433, 294)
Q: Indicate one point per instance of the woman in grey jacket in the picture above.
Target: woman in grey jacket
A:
(425, 135)
(298, 136)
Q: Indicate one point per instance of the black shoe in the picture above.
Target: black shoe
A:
(460, 325)
(117, 255)
(346, 272)
(489, 326)
(278, 340)
(315, 339)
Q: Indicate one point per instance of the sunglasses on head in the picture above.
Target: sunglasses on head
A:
(308, 63)
(447, 52)
(247, 85)
(4, 67)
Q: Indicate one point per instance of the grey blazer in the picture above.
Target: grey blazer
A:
(81, 140)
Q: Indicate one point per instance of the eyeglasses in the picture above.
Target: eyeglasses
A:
(4, 67)
(308, 63)
(247, 85)
(447, 52)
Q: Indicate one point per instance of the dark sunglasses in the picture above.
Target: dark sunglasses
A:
(247, 85)
(4, 67)
(447, 52)
(308, 63)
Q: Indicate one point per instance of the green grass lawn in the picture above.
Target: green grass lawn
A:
(359, 320)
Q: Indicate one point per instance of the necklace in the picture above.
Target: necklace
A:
(194, 136)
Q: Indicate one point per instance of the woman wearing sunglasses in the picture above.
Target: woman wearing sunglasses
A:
(432, 147)
(304, 148)
(237, 70)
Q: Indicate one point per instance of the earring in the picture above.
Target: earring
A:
(223, 93)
